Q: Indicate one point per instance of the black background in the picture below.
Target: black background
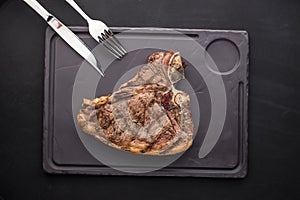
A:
(274, 111)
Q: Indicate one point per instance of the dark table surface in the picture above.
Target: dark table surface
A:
(274, 111)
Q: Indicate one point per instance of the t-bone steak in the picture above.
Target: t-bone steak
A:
(147, 114)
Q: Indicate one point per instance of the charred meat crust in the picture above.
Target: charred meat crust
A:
(155, 124)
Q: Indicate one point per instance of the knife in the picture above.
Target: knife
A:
(67, 35)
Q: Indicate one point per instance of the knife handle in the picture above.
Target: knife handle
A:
(38, 8)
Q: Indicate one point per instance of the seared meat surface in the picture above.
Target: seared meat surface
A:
(145, 115)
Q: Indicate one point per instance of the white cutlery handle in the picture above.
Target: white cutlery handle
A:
(79, 10)
(38, 8)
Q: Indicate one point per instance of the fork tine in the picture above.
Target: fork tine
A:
(109, 47)
(113, 45)
(103, 42)
(117, 44)
(116, 41)
(117, 55)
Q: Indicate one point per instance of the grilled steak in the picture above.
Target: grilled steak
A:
(147, 114)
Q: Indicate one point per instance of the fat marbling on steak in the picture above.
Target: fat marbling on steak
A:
(147, 114)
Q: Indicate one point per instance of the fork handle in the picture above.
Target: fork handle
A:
(78, 9)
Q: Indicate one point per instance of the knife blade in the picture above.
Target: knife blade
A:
(67, 35)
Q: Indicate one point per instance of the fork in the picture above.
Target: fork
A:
(101, 33)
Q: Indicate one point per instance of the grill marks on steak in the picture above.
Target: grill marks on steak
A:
(139, 105)
(147, 114)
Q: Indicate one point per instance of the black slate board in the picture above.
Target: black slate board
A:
(65, 153)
